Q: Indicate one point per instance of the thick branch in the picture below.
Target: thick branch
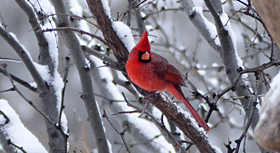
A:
(110, 35)
(85, 78)
(121, 53)
(49, 100)
(25, 58)
(199, 23)
(228, 55)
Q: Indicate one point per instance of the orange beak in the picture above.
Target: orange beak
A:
(145, 56)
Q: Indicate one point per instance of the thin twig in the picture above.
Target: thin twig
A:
(79, 31)
(9, 142)
(261, 67)
(28, 101)
(106, 59)
(120, 133)
(139, 110)
(238, 141)
(129, 13)
(6, 117)
(125, 84)
(252, 107)
(8, 90)
(20, 81)
(64, 88)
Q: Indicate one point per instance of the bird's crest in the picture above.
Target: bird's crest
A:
(144, 45)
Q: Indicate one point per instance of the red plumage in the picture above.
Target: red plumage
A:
(152, 72)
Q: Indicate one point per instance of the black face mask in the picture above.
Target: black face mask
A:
(141, 54)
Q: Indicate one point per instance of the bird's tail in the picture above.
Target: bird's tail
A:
(178, 94)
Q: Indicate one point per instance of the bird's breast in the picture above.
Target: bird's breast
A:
(142, 74)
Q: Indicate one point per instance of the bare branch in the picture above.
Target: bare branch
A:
(64, 88)
(16, 146)
(20, 81)
(25, 58)
(28, 101)
(121, 54)
(161, 126)
(106, 59)
(74, 46)
(198, 21)
(76, 30)
(120, 133)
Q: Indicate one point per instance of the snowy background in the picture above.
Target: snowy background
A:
(173, 36)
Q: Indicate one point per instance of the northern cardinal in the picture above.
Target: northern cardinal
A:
(152, 72)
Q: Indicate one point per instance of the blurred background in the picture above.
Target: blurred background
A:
(173, 36)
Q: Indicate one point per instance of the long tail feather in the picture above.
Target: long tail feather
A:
(178, 94)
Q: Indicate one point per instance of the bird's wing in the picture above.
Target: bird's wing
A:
(166, 71)
(174, 76)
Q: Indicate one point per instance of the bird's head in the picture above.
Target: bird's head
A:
(142, 50)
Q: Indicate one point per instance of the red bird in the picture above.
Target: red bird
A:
(152, 72)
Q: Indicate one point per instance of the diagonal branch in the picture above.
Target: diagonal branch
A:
(20, 81)
(170, 110)
(230, 59)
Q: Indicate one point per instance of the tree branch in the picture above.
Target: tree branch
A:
(76, 30)
(48, 90)
(228, 55)
(74, 47)
(169, 110)
(20, 81)
(198, 20)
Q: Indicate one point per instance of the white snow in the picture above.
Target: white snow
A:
(185, 113)
(124, 33)
(149, 27)
(214, 82)
(24, 49)
(43, 70)
(51, 37)
(47, 8)
(215, 64)
(106, 8)
(75, 8)
(95, 150)
(202, 72)
(157, 113)
(87, 63)
(17, 132)
(225, 20)
(216, 148)
(209, 26)
(193, 121)
(43, 5)
(275, 89)
(148, 128)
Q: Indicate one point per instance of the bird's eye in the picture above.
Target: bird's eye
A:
(144, 56)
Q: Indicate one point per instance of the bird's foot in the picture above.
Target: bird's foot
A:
(146, 102)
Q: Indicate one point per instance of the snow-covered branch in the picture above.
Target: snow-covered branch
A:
(120, 50)
(14, 136)
(88, 95)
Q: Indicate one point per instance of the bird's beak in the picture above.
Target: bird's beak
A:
(145, 56)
